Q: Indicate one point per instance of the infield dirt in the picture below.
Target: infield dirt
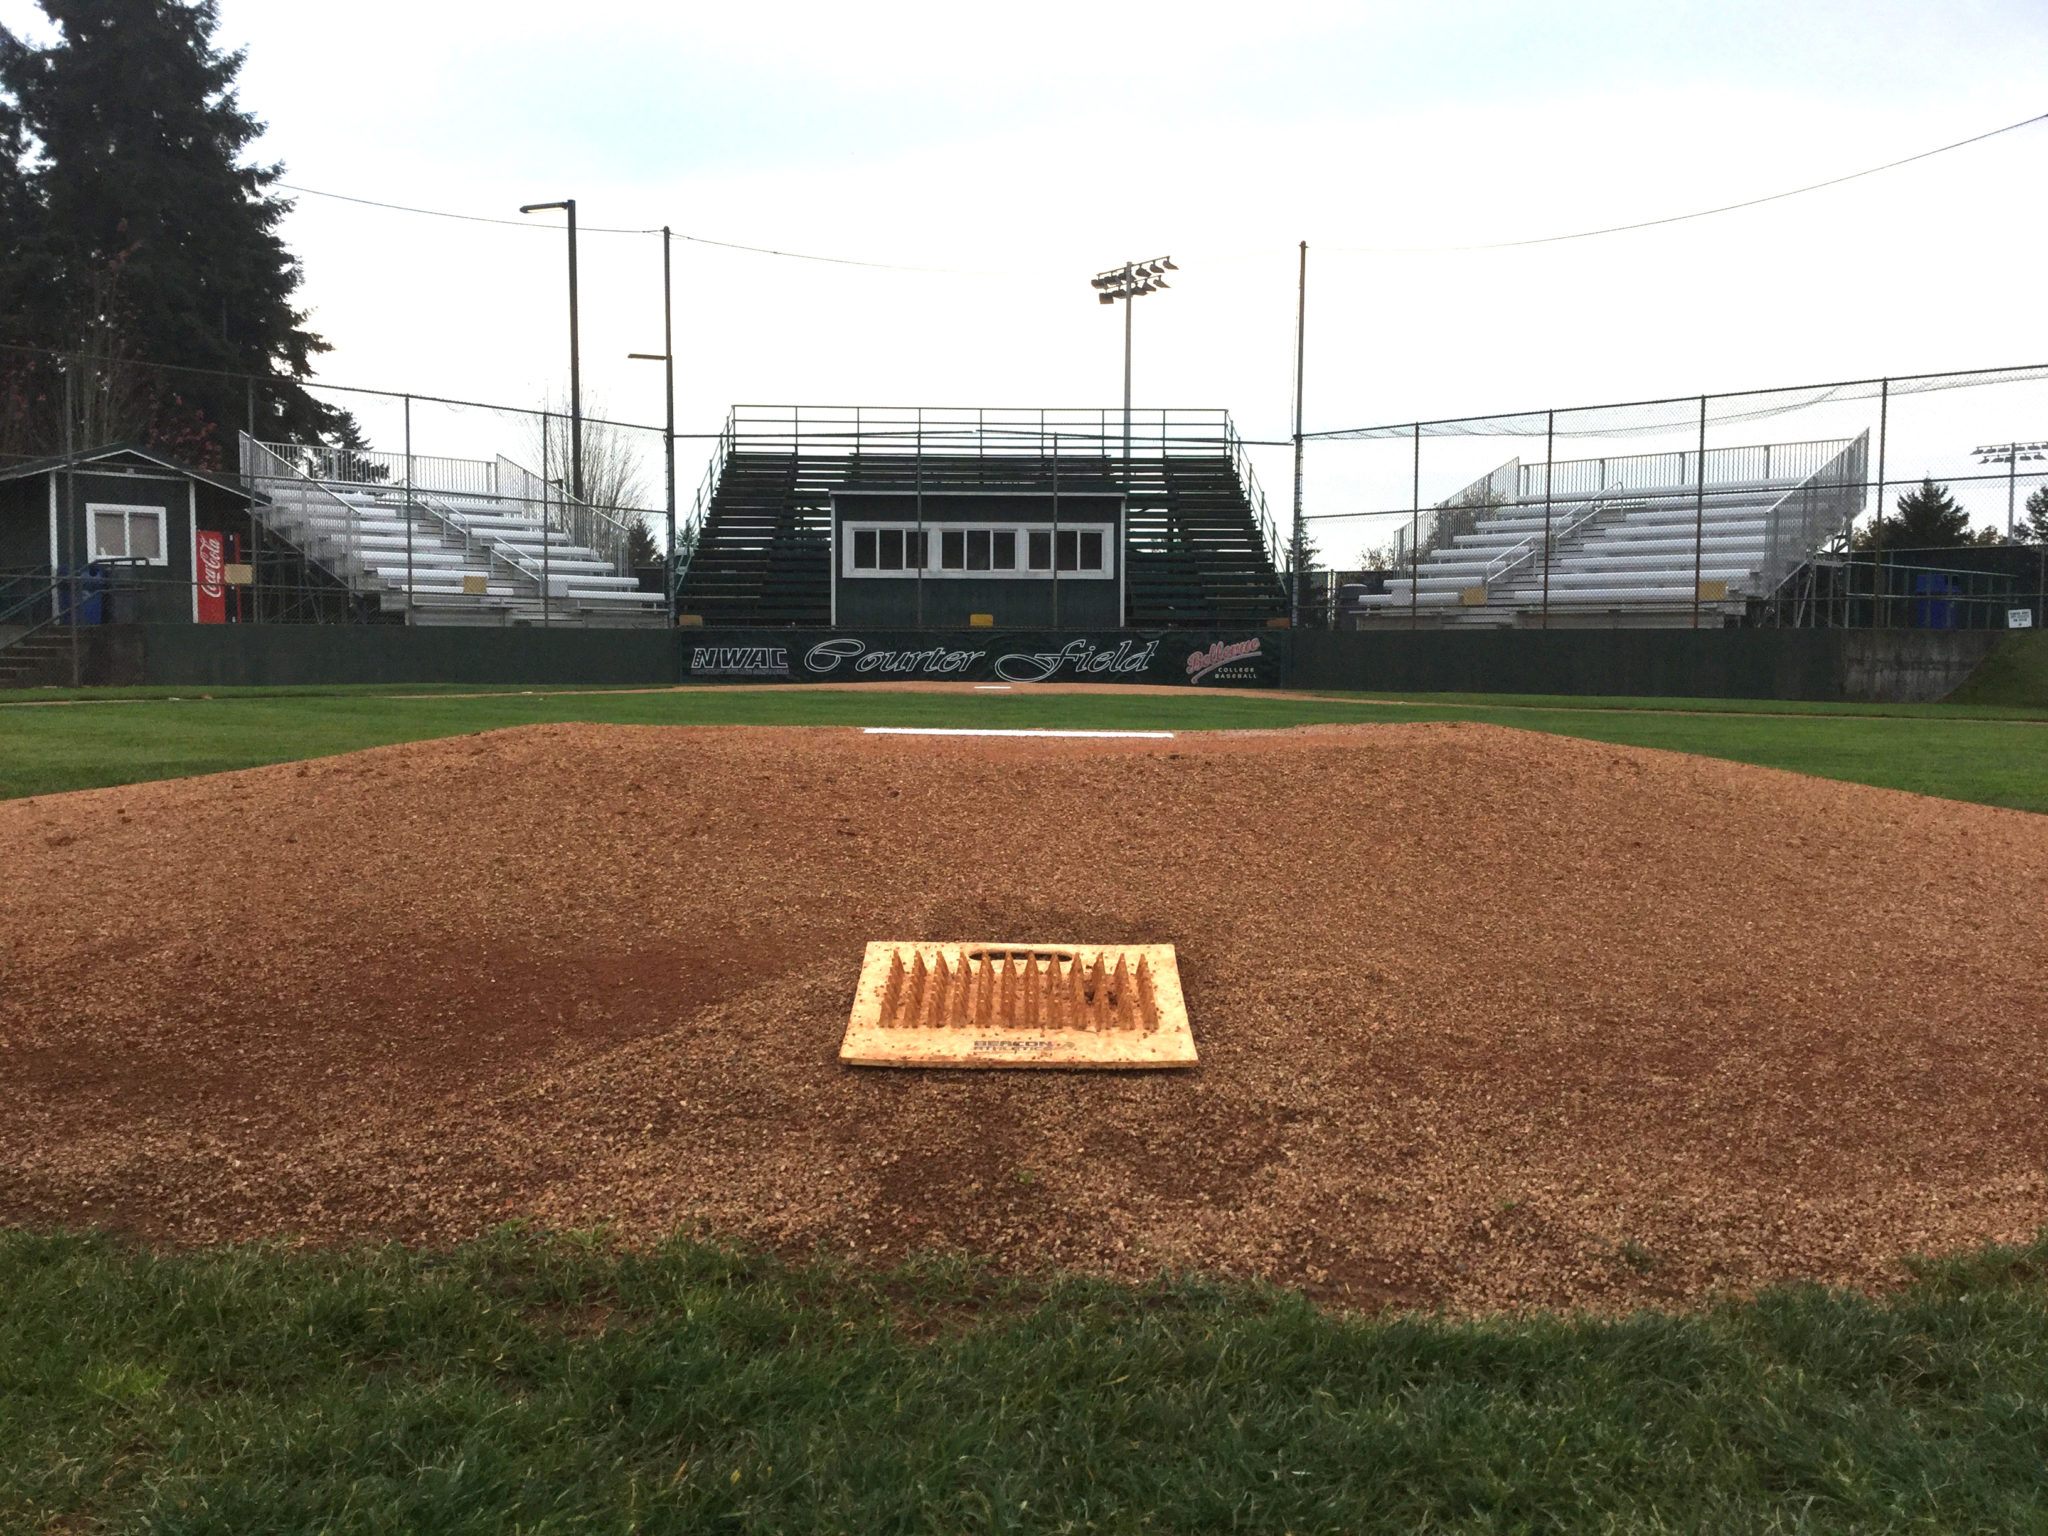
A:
(1487, 1019)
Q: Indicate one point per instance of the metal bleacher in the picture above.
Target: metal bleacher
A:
(1638, 540)
(464, 541)
(1200, 546)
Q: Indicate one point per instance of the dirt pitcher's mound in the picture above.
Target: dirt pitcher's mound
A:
(1486, 1018)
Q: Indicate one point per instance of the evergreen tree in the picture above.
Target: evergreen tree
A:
(1929, 518)
(137, 231)
(2033, 528)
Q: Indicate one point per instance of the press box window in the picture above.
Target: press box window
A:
(128, 533)
(896, 549)
(1080, 550)
(1004, 553)
(1041, 549)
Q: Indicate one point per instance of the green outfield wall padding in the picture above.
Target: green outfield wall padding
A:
(1883, 665)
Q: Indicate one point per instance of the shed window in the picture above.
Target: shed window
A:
(127, 533)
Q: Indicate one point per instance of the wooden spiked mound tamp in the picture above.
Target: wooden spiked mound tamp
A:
(1018, 1005)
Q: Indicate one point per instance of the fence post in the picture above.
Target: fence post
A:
(1699, 515)
(410, 583)
(255, 526)
(917, 472)
(70, 544)
(1415, 539)
(1549, 457)
(1884, 415)
(546, 497)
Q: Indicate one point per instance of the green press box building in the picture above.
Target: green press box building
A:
(998, 558)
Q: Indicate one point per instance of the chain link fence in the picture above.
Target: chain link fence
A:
(1917, 501)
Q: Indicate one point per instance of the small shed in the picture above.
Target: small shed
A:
(136, 536)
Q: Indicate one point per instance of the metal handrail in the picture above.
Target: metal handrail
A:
(589, 518)
(291, 474)
(1514, 559)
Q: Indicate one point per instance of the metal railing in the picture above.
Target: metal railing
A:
(1753, 467)
(500, 479)
(988, 432)
(261, 463)
(1817, 514)
(1588, 510)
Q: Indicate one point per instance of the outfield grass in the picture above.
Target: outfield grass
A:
(556, 1385)
(1998, 757)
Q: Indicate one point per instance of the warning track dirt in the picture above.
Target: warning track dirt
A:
(1486, 1018)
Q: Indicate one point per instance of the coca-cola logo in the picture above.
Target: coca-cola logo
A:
(211, 564)
(1202, 663)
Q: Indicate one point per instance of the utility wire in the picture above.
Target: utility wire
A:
(1682, 218)
(610, 229)
(1357, 250)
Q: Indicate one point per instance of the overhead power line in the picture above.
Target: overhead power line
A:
(1359, 250)
(612, 229)
(1683, 218)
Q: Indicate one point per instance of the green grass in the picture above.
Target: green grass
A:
(531, 1384)
(2014, 674)
(1992, 755)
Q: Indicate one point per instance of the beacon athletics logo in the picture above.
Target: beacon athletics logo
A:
(1202, 663)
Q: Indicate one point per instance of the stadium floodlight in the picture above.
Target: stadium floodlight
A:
(1132, 280)
(568, 205)
(2011, 455)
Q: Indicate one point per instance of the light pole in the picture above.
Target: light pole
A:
(2011, 455)
(1130, 281)
(568, 206)
(1299, 550)
(667, 358)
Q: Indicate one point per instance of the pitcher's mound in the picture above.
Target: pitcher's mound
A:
(1486, 1018)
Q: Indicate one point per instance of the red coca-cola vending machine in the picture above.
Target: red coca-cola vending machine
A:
(212, 607)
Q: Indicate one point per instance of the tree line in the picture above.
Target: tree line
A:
(139, 236)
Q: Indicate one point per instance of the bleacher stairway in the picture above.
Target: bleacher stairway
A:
(489, 551)
(1199, 550)
(1628, 538)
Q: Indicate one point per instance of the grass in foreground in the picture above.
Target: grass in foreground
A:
(553, 1384)
(1961, 753)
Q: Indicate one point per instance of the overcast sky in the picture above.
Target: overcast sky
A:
(1029, 146)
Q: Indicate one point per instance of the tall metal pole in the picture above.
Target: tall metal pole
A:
(575, 368)
(568, 206)
(1699, 516)
(1300, 362)
(668, 347)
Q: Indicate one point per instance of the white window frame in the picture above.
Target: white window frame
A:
(130, 511)
(935, 533)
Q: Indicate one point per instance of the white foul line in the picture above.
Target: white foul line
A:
(954, 730)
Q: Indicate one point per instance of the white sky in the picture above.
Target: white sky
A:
(1042, 143)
